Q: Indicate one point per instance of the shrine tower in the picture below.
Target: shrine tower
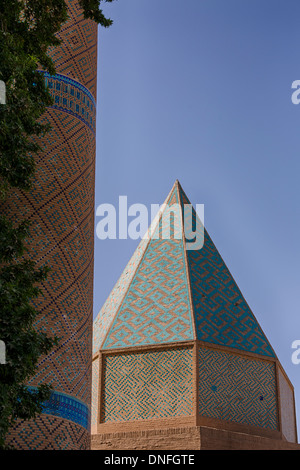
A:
(179, 359)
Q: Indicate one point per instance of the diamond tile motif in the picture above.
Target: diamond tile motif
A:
(173, 304)
(187, 290)
(61, 209)
(147, 385)
(236, 388)
(222, 315)
(169, 295)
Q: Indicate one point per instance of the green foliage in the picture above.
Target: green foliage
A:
(24, 344)
(27, 29)
(91, 10)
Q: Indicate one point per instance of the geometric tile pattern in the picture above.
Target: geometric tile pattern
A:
(156, 308)
(237, 389)
(73, 98)
(147, 385)
(95, 391)
(48, 432)
(150, 304)
(76, 56)
(104, 318)
(68, 407)
(111, 306)
(61, 208)
(170, 293)
(222, 315)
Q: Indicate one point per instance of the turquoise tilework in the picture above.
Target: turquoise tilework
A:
(148, 385)
(67, 407)
(238, 389)
(150, 303)
(222, 315)
(72, 97)
(95, 391)
(156, 308)
(104, 318)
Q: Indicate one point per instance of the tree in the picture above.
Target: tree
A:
(28, 29)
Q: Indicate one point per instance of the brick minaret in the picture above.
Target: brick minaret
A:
(61, 208)
(179, 359)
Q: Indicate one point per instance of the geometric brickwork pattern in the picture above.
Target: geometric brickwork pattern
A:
(178, 290)
(76, 56)
(105, 317)
(156, 306)
(162, 314)
(73, 98)
(95, 391)
(238, 389)
(147, 385)
(222, 315)
(48, 433)
(61, 209)
(65, 406)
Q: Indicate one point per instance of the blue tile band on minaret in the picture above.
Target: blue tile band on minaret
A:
(67, 407)
(72, 97)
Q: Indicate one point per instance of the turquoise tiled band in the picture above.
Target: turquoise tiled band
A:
(72, 97)
(67, 407)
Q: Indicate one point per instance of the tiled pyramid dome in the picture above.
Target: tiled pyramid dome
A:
(176, 343)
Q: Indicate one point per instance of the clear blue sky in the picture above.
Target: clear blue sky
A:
(200, 90)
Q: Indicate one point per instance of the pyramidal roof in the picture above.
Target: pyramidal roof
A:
(170, 292)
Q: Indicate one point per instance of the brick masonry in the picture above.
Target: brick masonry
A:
(236, 388)
(178, 351)
(188, 438)
(61, 208)
(49, 432)
(147, 385)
